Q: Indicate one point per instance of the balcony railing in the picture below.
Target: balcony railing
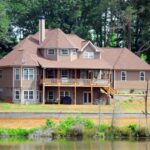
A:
(74, 82)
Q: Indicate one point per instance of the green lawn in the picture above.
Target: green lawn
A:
(121, 106)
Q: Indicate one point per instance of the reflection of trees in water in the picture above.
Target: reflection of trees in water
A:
(147, 145)
(112, 145)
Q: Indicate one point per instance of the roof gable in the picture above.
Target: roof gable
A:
(89, 43)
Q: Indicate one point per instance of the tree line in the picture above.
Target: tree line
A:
(107, 23)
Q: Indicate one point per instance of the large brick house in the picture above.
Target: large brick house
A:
(53, 67)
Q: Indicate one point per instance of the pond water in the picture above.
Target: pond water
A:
(21, 144)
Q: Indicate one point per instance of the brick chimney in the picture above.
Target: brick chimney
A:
(41, 29)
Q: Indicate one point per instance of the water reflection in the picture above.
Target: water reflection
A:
(74, 145)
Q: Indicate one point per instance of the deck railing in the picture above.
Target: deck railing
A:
(74, 82)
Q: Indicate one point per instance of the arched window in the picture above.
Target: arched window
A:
(142, 75)
(123, 75)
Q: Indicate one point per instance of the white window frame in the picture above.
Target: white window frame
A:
(1, 73)
(28, 75)
(37, 94)
(64, 52)
(17, 74)
(65, 75)
(88, 55)
(49, 52)
(140, 76)
(63, 93)
(125, 72)
(52, 92)
(28, 94)
(89, 100)
(15, 95)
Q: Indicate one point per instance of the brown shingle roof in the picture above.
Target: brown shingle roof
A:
(117, 58)
(122, 58)
(18, 58)
(78, 63)
(56, 38)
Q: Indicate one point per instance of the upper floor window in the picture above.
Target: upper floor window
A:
(123, 75)
(17, 73)
(142, 75)
(28, 74)
(64, 52)
(89, 55)
(50, 52)
(1, 72)
(64, 73)
(50, 73)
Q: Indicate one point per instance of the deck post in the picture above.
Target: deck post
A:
(58, 84)
(58, 94)
(75, 94)
(91, 92)
(75, 88)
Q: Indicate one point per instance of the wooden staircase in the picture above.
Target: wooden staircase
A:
(110, 90)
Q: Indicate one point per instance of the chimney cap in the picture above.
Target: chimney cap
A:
(41, 17)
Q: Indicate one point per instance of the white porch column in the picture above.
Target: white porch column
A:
(43, 93)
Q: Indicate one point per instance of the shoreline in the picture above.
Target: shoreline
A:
(73, 127)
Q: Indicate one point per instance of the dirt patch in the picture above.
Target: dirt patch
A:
(37, 122)
(23, 122)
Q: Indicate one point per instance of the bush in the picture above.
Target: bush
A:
(133, 128)
(103, 128)
(68, 124)
(14, 132)
(49, 123)
(75, 131)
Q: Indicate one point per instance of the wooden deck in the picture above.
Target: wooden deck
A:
(75, 82)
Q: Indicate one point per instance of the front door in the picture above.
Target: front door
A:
(87, 97)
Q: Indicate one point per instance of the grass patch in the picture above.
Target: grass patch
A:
(128, 105)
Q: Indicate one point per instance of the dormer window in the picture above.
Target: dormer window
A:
(64, 52)
(50, 52)
(88, 55)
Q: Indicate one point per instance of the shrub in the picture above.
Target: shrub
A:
(14, 132)
(75, 131)
(49, 123)
(68, 124)
(103, 128)
(133, 127)
(141, 132)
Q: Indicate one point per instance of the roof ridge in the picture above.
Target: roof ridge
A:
(30, 55)
(21, 43)
(65, 35)
(118, 58)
